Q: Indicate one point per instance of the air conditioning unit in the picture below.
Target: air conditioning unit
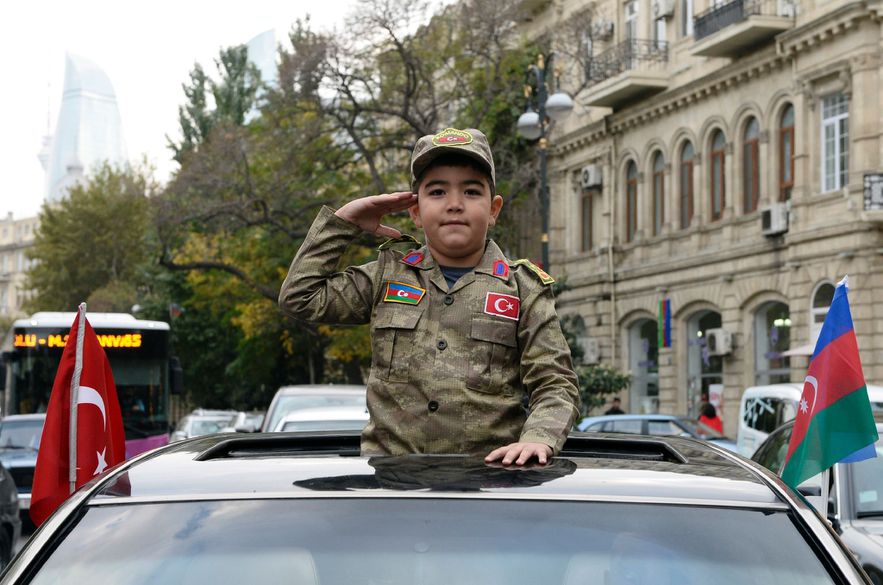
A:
(591, 350)
(774, 219)
(590, 176)
(718, 341)
(787, 8)
(663, 8)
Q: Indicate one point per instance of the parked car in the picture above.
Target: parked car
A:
(329, 418)
(655, 424)
(10, 520)
(855, 500)
(306, 508)
(291, 398)
(202, 422)
(763, 409)
(19, 443)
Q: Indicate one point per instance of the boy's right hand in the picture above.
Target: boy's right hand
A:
(367, 212)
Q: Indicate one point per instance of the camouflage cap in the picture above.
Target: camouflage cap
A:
(470, 142)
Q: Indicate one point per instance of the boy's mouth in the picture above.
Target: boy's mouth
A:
(454, 222)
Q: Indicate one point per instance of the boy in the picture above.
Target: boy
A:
(459, 334)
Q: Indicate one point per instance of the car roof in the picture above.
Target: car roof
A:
(326, 413)
(605, 417)
(23, 417)
(592, 466)
(321, 389)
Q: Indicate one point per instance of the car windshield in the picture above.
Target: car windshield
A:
(423, 541)
(324, 425)
(205, 426)
(867, 481)
(698, 429)
(20, 434)
(288, 404)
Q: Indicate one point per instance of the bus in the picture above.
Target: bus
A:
(144, 371)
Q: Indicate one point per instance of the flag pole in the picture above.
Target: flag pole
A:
(825, 479)
(75, 391)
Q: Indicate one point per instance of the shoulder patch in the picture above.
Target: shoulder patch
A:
(501, 269)
(404, 239)
(411, 258)
(541, 274)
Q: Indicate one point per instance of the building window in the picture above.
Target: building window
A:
(786, 153)
(772, 337)
(631, 20)
(644, 367)
(751, 166)
(717, 187)
(631, 201)
(821, 302)
(686, 173)
(658, 193)
(835, 142)
(686, 18)
(703, 369)
(587, 221)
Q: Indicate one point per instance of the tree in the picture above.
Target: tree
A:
(95, 245)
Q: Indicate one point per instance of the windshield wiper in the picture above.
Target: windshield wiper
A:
(871, 514)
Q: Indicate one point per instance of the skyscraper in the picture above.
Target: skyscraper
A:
(89, 129)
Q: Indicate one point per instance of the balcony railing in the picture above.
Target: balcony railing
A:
(628, 55)
(724, 15)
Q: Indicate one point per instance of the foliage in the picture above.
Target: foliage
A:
(95, 244)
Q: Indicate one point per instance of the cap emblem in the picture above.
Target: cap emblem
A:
(452, 137)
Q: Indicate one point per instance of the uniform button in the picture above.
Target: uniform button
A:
(432, 406)
(449, 300)
(442, 344)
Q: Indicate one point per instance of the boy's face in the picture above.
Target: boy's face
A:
(455, 209)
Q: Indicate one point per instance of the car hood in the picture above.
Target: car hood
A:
(865, 539)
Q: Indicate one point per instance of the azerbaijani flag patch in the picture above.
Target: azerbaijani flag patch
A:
(399, 292)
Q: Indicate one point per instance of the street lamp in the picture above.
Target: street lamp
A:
(534, 125)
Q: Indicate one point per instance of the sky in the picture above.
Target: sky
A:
(147, 49)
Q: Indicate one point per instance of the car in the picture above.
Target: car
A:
(655, 424)
(202, 422)
(855, 500)
(10, 520)
(329, 418)
(764, 408)
(19, 443)
(308, 508)
(291, 398)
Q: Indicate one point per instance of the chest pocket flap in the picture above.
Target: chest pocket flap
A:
(499, 331)
(397, 317)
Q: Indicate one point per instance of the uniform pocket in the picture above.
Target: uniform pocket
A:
(394, 341)
(494, 349)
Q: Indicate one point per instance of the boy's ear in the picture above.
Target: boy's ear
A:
(414, 212)
(496, 206)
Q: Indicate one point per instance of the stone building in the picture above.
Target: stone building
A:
(725, 157)
(16, 236)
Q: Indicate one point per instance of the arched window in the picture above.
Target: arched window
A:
(686, 179)
(631, 201)
(717, 188)
(821, 302)
(658, 193)
(703, 369)
(786, 153)
(644, 367)
(751, 166)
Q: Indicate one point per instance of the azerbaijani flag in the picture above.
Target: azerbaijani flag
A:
(399, 292)
(834, 421)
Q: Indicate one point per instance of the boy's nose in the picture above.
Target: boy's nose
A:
(455, 202)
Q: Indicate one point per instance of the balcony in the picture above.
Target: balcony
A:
(626, 72)
(727, 30)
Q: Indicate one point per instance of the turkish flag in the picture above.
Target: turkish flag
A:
(502, 305)
(99, 439)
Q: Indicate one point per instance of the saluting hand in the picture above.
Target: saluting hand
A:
(366, 212)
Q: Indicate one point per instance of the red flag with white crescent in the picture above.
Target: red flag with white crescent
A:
(502, 305)
(99, 440)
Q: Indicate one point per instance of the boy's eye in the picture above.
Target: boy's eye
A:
(474, 192)
(436, 192)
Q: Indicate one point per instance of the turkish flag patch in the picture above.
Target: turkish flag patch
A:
(501, 305)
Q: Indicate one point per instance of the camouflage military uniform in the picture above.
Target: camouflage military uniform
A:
(447, 376)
